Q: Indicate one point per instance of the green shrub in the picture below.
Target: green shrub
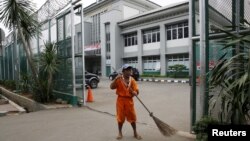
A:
(10, 84)
(24, 82)
(200, 127)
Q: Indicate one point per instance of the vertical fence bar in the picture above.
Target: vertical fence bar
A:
(192, 81)
(83, 53)
(203, 57)
(73, 51)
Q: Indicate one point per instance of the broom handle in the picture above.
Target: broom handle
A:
(150, 113)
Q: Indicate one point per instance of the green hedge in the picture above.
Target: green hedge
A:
(178, 74)
(10, 84)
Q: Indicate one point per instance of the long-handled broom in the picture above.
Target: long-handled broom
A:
(164, 128)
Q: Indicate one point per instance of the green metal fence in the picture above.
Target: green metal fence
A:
(221, 16)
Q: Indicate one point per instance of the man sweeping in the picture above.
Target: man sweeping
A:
(126, 87)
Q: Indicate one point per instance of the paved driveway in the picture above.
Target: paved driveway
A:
(169, 102)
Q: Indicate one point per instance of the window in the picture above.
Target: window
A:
(151, 36)
(174, 35)
(177, 31)
(158, 37)
(107, 32)
(169, 33)
(132, 62)
(79, 43)
(95, 28)
(144, 38)
(130, 39)
(185, 30)
(126, 42)
(151, 64)
(60, 29)
(178, 59)
(154, 38)
(180, 33)
(68, 26)
(135, 41)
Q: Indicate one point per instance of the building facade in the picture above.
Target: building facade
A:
(140, 33)
(157, 39)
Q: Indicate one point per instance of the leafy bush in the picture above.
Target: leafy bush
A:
(177, 71)
(10, 84)
(231, 79)
(201, 128)
(24, 83)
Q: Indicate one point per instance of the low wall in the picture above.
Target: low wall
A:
(28, 104)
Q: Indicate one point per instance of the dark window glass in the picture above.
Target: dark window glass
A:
(149, 38)
(144, 39)
(158, 36)
(154, 37)
(107, 49)
(126, 42)
(174, 34)
(169, 35)
(129, 42)
(185, 32)
(133, 41)
(180, 33)
(107, 37)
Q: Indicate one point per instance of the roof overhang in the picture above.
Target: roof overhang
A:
(157, 13)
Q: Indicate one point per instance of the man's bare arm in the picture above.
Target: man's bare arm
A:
(113, 83)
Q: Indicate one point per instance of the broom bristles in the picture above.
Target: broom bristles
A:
(164, 128)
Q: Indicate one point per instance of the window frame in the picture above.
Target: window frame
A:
(177, 31)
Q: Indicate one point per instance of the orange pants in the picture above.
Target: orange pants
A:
(125, 109)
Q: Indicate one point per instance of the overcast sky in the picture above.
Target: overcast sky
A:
(39, 3)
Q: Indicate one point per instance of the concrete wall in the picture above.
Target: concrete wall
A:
(87, 32)
(116, 48)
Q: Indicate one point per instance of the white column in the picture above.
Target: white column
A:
(140, 50)
(163, 49)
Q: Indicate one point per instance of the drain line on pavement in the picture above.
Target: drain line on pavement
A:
(107, 113)
(180, 133)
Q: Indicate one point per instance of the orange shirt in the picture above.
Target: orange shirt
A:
(123, 90)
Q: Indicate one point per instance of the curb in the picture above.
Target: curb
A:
(19, 108)
(58, 106)
(186, 134)
(163, 80)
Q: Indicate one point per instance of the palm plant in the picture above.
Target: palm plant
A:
(16, 14)
(231, 79)
(49, 64)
